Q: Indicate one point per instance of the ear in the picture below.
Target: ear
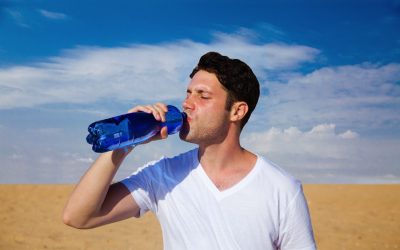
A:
(238, 111)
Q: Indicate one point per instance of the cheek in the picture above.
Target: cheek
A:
(216, 119)
(203, 103)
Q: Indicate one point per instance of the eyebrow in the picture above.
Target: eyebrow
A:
(199, 91)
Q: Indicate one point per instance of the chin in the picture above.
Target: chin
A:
(185, 136)
(184, 132)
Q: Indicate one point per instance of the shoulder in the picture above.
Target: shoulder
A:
(286, 191)
(169, 165)
(277, 178)
(187, 156)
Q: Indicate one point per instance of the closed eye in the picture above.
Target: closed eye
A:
(200, 93)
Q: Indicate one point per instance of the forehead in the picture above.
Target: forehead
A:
(204, 80)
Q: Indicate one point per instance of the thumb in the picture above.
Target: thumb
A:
(164, 133)
(160, 136)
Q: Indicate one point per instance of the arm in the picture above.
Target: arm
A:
(297, 232)
(94, 201)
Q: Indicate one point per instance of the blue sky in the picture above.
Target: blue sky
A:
(329, 72)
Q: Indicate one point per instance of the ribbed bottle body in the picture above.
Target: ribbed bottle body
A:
(131, 129)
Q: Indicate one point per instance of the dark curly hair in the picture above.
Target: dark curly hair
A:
(236, 77)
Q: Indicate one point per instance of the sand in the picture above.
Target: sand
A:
(343, 216)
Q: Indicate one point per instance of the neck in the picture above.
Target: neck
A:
(226, 163)
(226, 154)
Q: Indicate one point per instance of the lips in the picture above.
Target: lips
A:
(188, 117)
(185, 128)
(186, 125)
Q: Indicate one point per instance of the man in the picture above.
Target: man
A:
(217, 196)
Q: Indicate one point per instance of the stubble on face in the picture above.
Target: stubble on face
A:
(206, 131)
(208, 119)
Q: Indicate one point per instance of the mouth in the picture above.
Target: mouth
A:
(185, 126)
(188, 118)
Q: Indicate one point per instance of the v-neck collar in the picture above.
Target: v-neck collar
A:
(219, 195)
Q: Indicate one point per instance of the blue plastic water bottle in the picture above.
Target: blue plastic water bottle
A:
(131, 129)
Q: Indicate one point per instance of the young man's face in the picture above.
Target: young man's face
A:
(207, 117)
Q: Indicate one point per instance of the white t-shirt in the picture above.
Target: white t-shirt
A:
(265, 210)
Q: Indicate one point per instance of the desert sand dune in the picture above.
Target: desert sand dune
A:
(343, 216)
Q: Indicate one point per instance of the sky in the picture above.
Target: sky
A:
(329, 71)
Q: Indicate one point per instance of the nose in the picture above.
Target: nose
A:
(187, 103)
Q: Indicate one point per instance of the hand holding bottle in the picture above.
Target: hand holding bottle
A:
(158, 110)
(141, 125)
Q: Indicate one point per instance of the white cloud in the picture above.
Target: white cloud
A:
(89, 74)
(16, 156)
(52, 15)
(88, 160)
(46, 160)
(321, 141)
(364, 96)
(323, 154)
(320, 122)
(18, 18)
(45, 131)
(348, 135)
(270, 56)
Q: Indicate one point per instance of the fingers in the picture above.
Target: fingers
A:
(158, 110)
(160, 136)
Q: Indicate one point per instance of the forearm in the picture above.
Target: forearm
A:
(94, 202)
(88, 196)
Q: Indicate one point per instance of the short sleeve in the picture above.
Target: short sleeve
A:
(140, 185)
(295, 227)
